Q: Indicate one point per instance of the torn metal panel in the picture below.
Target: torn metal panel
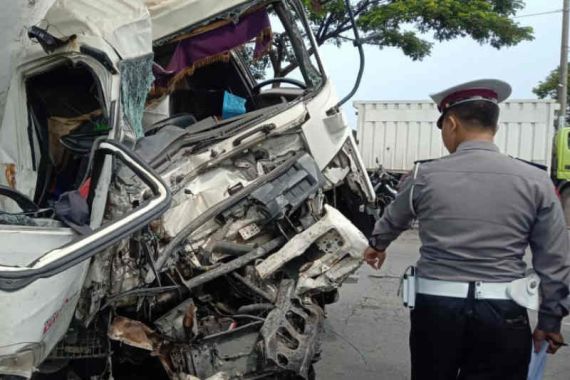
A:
(331, 277)
(336, 175)
(353, 242)
(281, 145)
(291, 332)
(358, 178)
(187, 169)
(329, 271)
(133, 333)
(205, 192)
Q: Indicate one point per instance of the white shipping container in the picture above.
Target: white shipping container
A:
(398, 133)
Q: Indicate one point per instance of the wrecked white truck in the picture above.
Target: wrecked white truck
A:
(164, 214)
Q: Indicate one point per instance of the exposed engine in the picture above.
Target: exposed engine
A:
(238, 288)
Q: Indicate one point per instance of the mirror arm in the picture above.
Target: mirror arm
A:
(57, 260)
(358, 43)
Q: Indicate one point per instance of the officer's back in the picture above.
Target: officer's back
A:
(477, 206)
(478, 210)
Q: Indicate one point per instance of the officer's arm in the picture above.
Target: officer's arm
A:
(397, 216)
(551, 260)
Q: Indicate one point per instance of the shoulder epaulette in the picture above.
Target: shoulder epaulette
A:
(539, 166)
(424, 161)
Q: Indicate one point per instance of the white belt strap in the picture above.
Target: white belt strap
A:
(483, 290)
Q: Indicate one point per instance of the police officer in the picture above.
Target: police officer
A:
(478, 210)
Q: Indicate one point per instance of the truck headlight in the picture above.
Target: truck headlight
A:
(18, 364)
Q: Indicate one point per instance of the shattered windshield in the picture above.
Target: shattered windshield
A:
(233, 66)
(291, 54)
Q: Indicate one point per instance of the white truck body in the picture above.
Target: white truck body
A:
(286, 150)
(398, 133)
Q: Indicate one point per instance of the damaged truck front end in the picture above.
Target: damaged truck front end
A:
(188, 222)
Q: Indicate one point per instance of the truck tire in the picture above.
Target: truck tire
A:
(565, 200)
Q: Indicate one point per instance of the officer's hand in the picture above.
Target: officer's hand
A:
(555, 340)
(374, 258)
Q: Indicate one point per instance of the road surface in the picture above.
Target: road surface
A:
(366, 333)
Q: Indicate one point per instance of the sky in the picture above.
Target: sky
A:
(390, 75)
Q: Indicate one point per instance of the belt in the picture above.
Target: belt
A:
(483, 290)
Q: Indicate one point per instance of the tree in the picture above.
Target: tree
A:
(404, 23)
(548, 88)
(387, 22)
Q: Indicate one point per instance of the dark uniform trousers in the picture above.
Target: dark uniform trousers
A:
(468, 339)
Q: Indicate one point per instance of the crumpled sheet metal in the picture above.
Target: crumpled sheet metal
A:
(137, 334)
(327, 272)
(291, 332)
(331, 278)
(204, 192)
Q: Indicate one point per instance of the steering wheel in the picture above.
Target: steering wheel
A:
(264, 83)
(23, 201)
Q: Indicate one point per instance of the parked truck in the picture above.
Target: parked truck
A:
(398, 133)
(164, 214)
(560, 168)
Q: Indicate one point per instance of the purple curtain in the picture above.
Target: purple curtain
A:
(211, 46)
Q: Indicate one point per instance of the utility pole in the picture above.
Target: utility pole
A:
(563, 87)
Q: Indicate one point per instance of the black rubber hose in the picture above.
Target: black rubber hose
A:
(231, 266)
(358, 45)
(231, 248)
(247, 309)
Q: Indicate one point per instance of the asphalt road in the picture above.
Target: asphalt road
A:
(366, 333)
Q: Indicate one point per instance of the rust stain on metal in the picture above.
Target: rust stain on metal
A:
(134, 333)
(188, 321)
(10, 174)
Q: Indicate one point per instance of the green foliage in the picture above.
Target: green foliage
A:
(548, 88)
(401, 23)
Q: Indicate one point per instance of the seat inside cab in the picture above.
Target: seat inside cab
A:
(66, 115)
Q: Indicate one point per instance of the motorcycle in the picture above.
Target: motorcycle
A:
(385, 186)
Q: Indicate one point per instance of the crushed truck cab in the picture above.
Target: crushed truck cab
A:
(171, 205)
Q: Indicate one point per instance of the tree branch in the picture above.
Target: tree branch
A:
(325, 26)
(361, 8)
(345, 24)
(292, 66)
(336, 33)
